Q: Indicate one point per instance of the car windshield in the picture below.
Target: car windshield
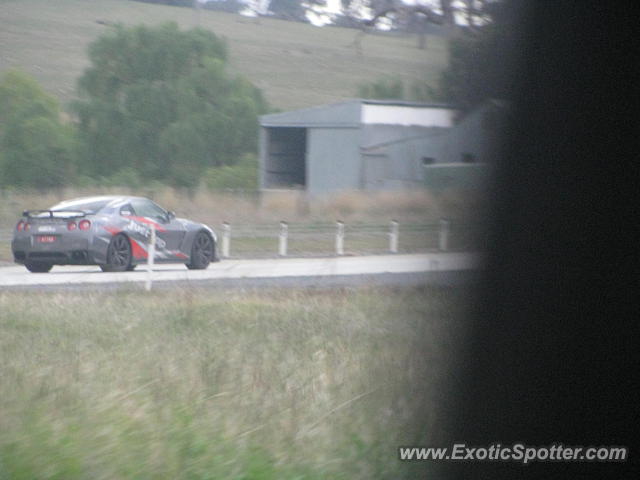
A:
(84, 205)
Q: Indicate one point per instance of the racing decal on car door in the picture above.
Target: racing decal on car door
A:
(148, 221)
(138, 251)
(139, 232)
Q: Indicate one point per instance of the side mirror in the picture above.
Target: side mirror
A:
(171, 215)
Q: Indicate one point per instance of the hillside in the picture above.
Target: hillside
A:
(296, 65)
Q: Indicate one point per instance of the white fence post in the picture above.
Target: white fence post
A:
(443, 237)
(151, 253)
(393, 237)
(226, 239)
(282, 239)
(339, 238)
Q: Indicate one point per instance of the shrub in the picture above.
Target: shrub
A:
(242, 176)
(36, 148)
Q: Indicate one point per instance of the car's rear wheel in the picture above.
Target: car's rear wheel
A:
(38, 267)
(118, 255)
(201, 252)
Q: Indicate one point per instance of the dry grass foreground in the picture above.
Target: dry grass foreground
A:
(276, 384)
(296, 65)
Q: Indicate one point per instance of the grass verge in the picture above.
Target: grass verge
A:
(237, 385)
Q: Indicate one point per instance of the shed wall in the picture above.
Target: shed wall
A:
(333, 160)
(408, 116)
(476, 134)
(400, 165)
(373, 135)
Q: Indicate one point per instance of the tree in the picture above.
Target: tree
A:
(36, 148)
(160, 101)
(288, 9)
(410, 18)
(482, 60)
(295, 10)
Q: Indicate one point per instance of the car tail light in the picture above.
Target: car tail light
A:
(20, 226)
(71, 226)
(84, 225)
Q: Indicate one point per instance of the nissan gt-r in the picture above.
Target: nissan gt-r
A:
(113, 232)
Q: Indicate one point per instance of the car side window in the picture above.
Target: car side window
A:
(127, 210)
(146, 208)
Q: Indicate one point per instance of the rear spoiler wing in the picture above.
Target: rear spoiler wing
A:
(53, 213)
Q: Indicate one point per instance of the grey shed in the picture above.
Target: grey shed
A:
(353, 145)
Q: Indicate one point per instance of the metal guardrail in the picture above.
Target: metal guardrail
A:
(286, 239)
(324, 238)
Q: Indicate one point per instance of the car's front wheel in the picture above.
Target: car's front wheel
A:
(38, 267)
(201, 252)
(118, 255)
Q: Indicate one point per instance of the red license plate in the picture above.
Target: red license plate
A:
(46, 238)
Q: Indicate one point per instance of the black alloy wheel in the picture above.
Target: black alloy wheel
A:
(118, 255)
(201, 252)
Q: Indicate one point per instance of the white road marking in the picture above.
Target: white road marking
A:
(230, 269)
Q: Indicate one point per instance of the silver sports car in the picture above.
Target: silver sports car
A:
(112, 232)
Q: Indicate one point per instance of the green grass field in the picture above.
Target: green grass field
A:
(296, 65)
(202, 384)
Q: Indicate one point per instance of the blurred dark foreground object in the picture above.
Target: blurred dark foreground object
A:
(550, 353)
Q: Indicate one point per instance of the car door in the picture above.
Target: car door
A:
(169, 231)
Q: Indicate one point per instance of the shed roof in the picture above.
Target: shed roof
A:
(347, 114)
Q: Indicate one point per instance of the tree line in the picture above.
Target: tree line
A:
(355, 13)
(156, 103)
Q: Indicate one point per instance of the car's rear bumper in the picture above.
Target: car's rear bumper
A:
(76, 252)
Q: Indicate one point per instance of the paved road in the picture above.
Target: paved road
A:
(286, 271)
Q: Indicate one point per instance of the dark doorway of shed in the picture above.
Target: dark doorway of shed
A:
(286, 158)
